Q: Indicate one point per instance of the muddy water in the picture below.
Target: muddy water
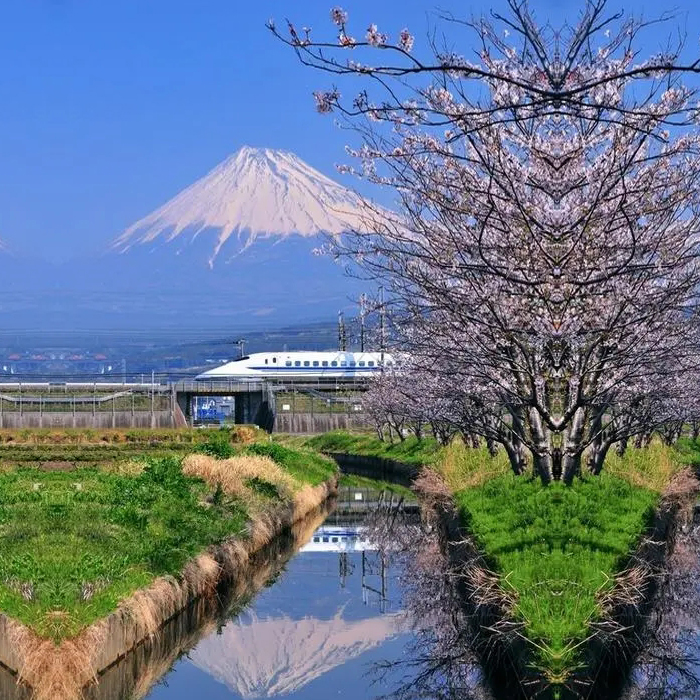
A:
(319, 609)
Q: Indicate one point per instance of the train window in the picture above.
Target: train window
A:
(352, 363)
(343, 363)
(274, 360)
(361, 363)
(317, 539)
(306, 363)
(334, 539)
(325, 539)
(370, 363)
(315, 363)
(334, 363)
(297, 364)
(288, 363)
(266, 360)
(325, 363)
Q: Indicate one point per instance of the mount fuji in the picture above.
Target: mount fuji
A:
(255, 193)
(236, 248)
(239, 245)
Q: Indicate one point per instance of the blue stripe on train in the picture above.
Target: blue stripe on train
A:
(317, 369)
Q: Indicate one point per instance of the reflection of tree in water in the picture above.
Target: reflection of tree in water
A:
(439, 662)
(669, 667)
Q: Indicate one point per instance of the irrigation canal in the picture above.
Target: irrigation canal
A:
(319, 610)
(317, 615)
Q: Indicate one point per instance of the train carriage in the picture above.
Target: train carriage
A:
(302, 365)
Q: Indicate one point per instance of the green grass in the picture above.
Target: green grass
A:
(556, 548)
(363, 482)
(410, 451)
(109, 532)
(303, 465)
(62, 532)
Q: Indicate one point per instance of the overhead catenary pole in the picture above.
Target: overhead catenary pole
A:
(382, 324)
(342, 338)
(363, 312)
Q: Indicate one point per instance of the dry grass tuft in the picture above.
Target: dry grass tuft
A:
(148, 607)
(201, 575)
(465, 467)
(305, 500)
(432, 486)
(245, 434)
(629, 589)
(261, 530)
(57, 672)
(233, 473)
(653, 467)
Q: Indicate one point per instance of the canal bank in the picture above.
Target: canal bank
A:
(310, 614)
(60, 672)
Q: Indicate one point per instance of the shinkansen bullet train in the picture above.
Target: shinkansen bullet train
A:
(302, 365)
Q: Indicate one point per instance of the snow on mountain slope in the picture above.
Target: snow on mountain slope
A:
(253, 193)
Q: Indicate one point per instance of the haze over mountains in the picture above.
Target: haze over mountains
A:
(236, 247)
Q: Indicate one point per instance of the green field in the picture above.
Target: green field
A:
(74, 542)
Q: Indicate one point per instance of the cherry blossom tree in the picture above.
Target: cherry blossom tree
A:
(544, 261)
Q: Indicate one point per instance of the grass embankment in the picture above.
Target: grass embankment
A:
(74, 543)
(410, 451)
(557, 549)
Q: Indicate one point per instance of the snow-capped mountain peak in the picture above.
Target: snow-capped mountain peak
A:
(256, 192)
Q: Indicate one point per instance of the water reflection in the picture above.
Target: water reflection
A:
(308, 621)
(136, 674)
(669, 666)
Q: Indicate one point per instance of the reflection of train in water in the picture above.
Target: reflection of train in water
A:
(338, 538)
(302, 365)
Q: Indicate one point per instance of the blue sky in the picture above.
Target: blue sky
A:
(110, 108)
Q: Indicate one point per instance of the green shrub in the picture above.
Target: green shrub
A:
(264, 488)
(218, 445)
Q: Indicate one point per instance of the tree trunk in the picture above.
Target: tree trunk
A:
(491, 446)
(571, 458)
(621, 447)
(596, 457)
(517, 460)
(542, 454)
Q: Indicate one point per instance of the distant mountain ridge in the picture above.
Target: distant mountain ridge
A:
(254, 193)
